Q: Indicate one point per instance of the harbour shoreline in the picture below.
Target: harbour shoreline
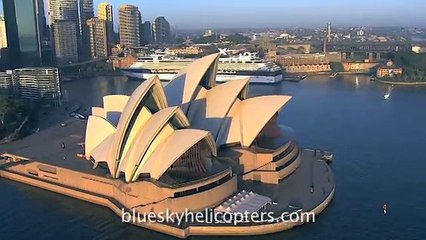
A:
(413, 84)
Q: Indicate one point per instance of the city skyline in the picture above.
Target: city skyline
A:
(245, 14)
(290, 14)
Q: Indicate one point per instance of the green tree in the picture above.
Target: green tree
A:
(13, 112)
(238, 39)
(413, 64)
(337, 67)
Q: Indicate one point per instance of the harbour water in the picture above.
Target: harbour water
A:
(379, 158)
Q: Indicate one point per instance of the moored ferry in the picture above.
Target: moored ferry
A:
(230, 68)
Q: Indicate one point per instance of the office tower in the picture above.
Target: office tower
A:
(98, 37)
(65, 38)
(328, 32)
(3, 35)
(129, 17)
(140, 29)
(105, 13)
(45, 37)
(86, 13)
(161, 30)
(324, 45)
(65, 10)
(50, 10)
(42, 22)
(23, 32)
(38, 84)
(146, 33)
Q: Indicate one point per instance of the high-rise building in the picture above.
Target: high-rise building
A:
(129, 17)
(328, 32)
(22, 21)
(161, 30)
(98, 37)
(105, 13)
(50, 10)
(38, 84)
(86, 13)
(146, 33)
(65, 38)
(46, 40)
(3, 35)
(42, 22)
(140, 29)
(65, 10)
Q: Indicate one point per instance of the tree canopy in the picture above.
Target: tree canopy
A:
(12, 112)
(237, 39)
(413, 64)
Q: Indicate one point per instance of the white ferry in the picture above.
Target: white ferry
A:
(244, 65)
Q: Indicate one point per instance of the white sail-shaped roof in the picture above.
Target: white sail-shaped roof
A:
(136, 131)
(255, 113)
(230, 130)
(169, 151)
(145, 136)
(102, 153)
(98, 111)
(199, 74)
(152, 133)
(209, 113)
(149, 89)
(248, 118)
(98, 129)
(113, 107)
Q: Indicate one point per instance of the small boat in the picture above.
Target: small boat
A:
(388, 93)
(373, 78)
(302, 77)
(327, 157)
(81, 116)
(333, 75)
(386, 96)
(77, 116)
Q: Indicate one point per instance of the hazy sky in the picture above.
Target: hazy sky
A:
(281, 13)
(202, 14)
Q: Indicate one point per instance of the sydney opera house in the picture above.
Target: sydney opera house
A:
(191, 144)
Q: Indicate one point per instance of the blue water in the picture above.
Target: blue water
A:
(379, 151)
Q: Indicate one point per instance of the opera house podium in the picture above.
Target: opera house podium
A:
(191, 145)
